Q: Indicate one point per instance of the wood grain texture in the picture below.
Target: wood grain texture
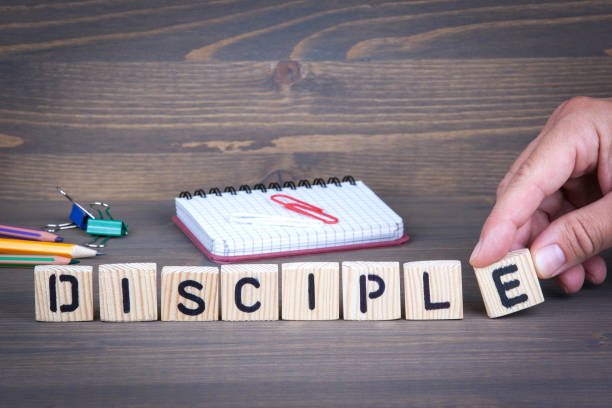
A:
(444, 283)
(54, 293)
(358, 287)
(173, 276)
(428, 102)
(258, 295)
(296, 289)
(139, 280)
(518, 285)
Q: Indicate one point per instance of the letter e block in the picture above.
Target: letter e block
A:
(128, 292)
(63, 293)
(311, 291)
(249, 292)
(509, 285)
(189, 293)
(432, 290)
(371, 290)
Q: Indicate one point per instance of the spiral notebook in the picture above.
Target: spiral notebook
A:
(259, 222)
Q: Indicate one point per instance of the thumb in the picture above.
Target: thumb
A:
(573, 238)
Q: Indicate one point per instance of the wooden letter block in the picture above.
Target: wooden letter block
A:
(311, 291)
(432, 290)
(63, 293)
(509, 285)
(128, 292)
(371, 290)
(249, 292)
(189, 293)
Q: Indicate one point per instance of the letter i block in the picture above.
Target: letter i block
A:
(311, 291)
(189, 293)
(433, 290)
(249, 292)
(63, 293)
(371, 290)
(509, 285)
(128, 292)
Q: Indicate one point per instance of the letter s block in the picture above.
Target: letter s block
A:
(509, 285)
(249, 292)
(63, 293)
(128, 292)
(189, 293)
(371, 290)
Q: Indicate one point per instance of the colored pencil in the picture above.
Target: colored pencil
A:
(17, 246)
(31, 260)
(28, 233)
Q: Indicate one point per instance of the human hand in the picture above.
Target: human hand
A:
(556, 198)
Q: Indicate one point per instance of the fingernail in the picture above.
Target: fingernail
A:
(476, 250)
(548, 260)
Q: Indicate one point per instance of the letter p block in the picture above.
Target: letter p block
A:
(509, 285)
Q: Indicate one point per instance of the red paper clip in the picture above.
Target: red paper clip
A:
(304, 208)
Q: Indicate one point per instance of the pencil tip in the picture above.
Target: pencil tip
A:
(74, 261)
(59, 239)
(100, 253)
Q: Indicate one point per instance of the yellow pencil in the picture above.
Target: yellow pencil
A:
(19, 246)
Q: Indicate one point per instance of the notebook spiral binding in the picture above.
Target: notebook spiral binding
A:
(272, 186)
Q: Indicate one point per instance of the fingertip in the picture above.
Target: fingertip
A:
(493, 245)
(571, 280)
(595, 269)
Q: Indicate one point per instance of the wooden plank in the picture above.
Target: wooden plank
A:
(63, 293)
(189, 293)
(128, 292)
(249, 292)
(433, 290)
(371, 290)
(311, 291)
(510, 284)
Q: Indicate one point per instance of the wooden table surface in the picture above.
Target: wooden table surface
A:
(428, 102)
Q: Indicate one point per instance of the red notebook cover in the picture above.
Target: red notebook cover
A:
(243, 258)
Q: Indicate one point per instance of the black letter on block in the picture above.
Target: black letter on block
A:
(125, 288)
(52, 294)
(238, 295)
(189, 296)
(503, 287)
(427, 296)
(74, 288)
(311, 291)
(363, 306)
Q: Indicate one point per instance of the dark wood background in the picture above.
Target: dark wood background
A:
(428, 102)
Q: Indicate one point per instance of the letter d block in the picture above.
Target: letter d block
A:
(433, 290)
(509, 285)
(249, 292)
(189, 293)
(371, 290)
(311, 291)
(128, 292)
(63, 293)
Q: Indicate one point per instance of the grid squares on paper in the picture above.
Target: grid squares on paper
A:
(363, 218)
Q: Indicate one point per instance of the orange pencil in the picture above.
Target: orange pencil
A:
(31, 260)
(18, 246)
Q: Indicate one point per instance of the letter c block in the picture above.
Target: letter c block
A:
(249, 292)
(510, 284)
